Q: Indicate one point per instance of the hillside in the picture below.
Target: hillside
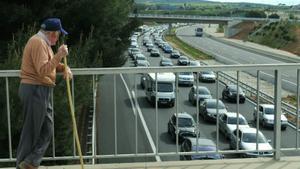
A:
(280, 35)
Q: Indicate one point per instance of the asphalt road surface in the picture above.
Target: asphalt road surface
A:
(132, 107)
(228, 54)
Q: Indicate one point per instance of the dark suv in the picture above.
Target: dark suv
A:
(186, 126)
(230, 93)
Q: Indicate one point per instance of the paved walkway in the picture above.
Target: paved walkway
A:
(252, 163)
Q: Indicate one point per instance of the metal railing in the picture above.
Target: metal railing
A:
(137, 111)
(199, 17)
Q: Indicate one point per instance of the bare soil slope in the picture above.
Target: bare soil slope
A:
(247, 27)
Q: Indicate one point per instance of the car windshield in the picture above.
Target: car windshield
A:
(199, 29)
(140, 58)
(164, 87)
(185, 122)
(251, 138)
(203, 91)
(233, 120)
(183, 58)
(208, 72)
(205, 156)
(269, 111)
(185, 73)
(213, 105)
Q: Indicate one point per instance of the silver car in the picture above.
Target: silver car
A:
(246, 140)
(207, 76)
(228, 123)
(202, 94)
(186, 78)
(266, 116)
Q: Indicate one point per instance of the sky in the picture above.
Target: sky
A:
(272, 2)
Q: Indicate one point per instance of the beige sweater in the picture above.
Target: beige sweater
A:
(39, 64)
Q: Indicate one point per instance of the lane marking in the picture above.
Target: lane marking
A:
(129, 95)
(135, 109)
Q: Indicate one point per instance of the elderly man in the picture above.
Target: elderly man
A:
(38, 73)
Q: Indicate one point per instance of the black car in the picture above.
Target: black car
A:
(230, 93)
(186, 126)
(175, 54)
(183, 60)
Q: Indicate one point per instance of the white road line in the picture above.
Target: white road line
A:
(129, 95)
(138, 109)
(145, 127)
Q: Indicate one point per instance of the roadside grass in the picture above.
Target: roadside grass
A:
(186, 48)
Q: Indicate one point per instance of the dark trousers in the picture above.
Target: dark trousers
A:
(37, 125)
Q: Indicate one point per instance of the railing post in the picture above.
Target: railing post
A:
(8, 118)
(277, 118)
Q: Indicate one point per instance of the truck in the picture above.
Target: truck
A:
(165, 92)
(199, 31)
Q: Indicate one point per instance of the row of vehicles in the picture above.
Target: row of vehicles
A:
(160, 87)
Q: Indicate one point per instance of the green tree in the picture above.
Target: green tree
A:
(98, 35)
(255, 14)
(274, 16)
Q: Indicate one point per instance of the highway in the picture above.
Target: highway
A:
(228, 54)
(132, 106)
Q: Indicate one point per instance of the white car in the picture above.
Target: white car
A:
(228, 123)
(207, 76)
(266, 116)
(186, 78)
(246, 140)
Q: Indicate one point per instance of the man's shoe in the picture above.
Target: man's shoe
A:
(24, 165)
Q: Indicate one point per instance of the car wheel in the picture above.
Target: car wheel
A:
(254, 118)
(205, 117)
(283, 128)
(263, 123)
(194, 102)
(142, 85)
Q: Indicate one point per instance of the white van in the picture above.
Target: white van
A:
(165, 88)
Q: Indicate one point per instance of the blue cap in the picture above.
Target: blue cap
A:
(53, 24)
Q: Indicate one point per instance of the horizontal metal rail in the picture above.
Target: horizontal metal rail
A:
(6, 74)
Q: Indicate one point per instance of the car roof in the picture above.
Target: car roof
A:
(212, 100)
(267, 105)
(201, 141)
(183, 115)
(233, 114)
(183, 57)
(248, 130)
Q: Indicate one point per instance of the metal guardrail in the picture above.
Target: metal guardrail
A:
(6, 74)
(286, 107)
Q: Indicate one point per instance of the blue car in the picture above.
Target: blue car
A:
(190, 145)
(168, 49)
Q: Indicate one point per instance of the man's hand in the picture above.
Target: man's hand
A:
(63, 50)
(68, 73)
